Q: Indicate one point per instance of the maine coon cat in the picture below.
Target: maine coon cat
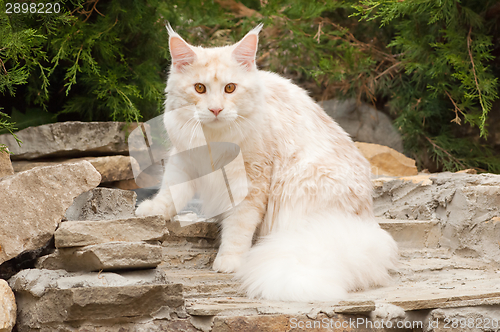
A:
(309, 195)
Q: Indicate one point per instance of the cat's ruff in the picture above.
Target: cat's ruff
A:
(309, 187)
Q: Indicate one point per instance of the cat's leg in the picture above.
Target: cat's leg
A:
(237, 232)
(163, 203)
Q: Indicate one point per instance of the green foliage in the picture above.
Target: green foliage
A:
(445, 76)
(96, 60)
(9, 127)
(430, 64)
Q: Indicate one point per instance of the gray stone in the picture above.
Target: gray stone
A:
(5, 164)
(70, 139)
(102, 204)
(58, 299)
(202, 229)
(123, 324)
(34, 202)
(413, 233)
(475, 319)
(105, 256)
(467, 207)
(192, 258)
(111, 168)
(83, 233)
(7, 307)
(363, 122)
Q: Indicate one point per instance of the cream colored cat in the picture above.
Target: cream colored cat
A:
(309, 190)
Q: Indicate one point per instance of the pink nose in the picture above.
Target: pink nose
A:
(216, 111)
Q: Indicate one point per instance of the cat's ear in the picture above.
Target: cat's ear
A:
(246, 48)
(181, 52)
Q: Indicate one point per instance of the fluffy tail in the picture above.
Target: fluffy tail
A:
(321, 259)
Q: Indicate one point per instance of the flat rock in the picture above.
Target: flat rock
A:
(5, 164)
(83, 233)
(34, 202)
(111, 168)
(7, 307)
(105, 256)
(50, 297)
(363, 122)
(464, 319)
(387, 161)
(102, 204)
(466, 206)
(70, 139)
(413, 233)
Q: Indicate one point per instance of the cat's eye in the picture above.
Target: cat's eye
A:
(200, 88)
(230, 88)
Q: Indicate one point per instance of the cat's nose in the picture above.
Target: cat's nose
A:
(216, 111)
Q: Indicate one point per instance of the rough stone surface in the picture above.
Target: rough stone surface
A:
(70, 139)
(413, 233)
(105, 256)
(7, 307)
(34, 202)
(466, 206)
(473, 319)
(5, 164)
(111, 168)
(387, 161)
(363, 122)
(102, 204)
(51, 297)
(83, 233)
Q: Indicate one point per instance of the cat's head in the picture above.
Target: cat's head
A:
(215, 86)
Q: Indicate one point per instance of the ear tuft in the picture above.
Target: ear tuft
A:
(181, 52)
(246, 49)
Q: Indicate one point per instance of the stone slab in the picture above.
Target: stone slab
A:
(203, 283)
(467, 207)
(102, 204)
(412, 233)
(111, 168)
(34, 202)
(70, 139)
(97, 303)
(5, 164)
(84, 233)
(188, 258)
(64, 301)
(8, 307)
(203, 229)
(109, 256)
(477, 319)
(242, 306)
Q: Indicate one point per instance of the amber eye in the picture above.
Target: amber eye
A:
(230, 88)
(200, 88)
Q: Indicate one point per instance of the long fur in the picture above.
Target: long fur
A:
(309, 189)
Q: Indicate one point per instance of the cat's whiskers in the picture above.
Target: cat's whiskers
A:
(248, 121)
(193, 133)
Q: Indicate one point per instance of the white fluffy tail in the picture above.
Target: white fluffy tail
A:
(322, 258)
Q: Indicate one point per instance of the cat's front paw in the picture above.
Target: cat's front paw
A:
(227, 262)
(152, 208)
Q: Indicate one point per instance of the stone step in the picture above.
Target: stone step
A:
(188, 258)
(50, 300)
(102, 204)
(203, 283)
(84, 233)
(109, 256)
(412, 233)
(230, 306)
